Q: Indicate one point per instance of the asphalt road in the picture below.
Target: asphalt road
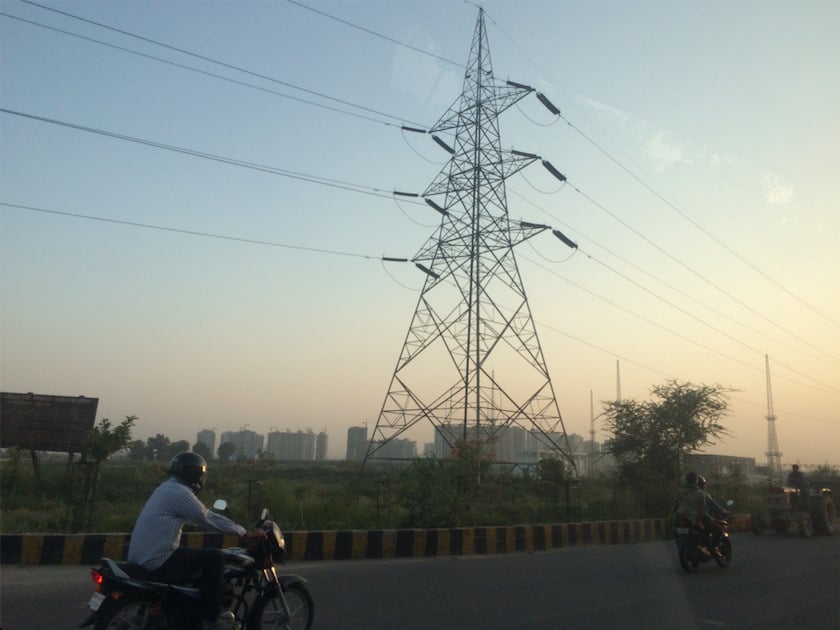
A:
(773, 582)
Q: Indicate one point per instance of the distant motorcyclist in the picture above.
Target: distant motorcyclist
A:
(691, 504)
(713, 511)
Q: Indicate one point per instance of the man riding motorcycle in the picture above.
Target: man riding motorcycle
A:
(691, 504)
(157, 533)
(713, 511)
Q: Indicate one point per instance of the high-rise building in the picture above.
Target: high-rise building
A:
(293, 446)
(397, 448)
(357, 442)
(208, 438)
(321, 446)
(248, 443)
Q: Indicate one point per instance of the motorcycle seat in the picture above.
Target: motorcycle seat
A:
(129, 570)
(135, 571)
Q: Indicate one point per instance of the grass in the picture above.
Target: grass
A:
(332, 495)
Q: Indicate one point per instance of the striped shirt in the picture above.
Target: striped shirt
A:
(157, 532)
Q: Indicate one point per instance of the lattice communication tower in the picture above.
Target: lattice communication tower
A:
(774, 456)
(471, 363)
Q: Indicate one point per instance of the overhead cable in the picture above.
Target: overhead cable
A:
(822, 387)
(315, 179)
(197, 56)
(375, 34)
(697, 273)
(224, 237)
(704, 304)
(700, 227)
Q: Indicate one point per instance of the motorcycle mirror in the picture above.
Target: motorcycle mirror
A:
(220, 505)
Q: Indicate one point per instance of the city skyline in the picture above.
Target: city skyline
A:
(198, 225)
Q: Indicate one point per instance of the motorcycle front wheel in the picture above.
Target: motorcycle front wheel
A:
(724, 552)
(689, 564)
(132, 613)
(270, 613)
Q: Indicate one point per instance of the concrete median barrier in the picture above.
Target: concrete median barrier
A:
(47, 549)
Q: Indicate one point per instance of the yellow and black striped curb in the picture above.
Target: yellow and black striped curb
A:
(46, 549)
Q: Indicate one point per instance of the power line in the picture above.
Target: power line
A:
(383, 259)
(314, 179)
(309, 178)
(569, 123)
(694, 271)
(698, 225)
(215, 75)
(375, 34)
(675, 289)
(673, 206)
(162, 228)
(670, 331)
(190, 53)
(350, 187)
(701, 321)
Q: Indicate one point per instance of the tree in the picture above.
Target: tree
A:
(552, 470)
(103, 441)
(202, 449)
(226, 451)
(180, 446)
(158, 448)
(651, 440)
(137, 450)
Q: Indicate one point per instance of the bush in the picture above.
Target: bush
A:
(429, 493)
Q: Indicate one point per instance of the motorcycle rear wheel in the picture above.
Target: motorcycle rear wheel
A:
(269, 612)
(724, 555)
(132, 613)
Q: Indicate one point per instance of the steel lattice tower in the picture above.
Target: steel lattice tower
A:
(774, 456)
(472, 363)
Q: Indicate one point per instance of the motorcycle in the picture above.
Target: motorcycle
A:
(126, 597)
(696, 545)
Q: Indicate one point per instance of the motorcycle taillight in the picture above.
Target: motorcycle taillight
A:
(97, 577)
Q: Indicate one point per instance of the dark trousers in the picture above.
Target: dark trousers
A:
(202, 567)
(712, 527)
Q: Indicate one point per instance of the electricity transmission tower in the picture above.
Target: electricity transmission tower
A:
(774, 456)
(471, 363)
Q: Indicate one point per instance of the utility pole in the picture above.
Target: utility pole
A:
(471, 363)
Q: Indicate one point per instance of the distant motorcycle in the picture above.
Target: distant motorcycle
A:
(696, 546)
(126, 597)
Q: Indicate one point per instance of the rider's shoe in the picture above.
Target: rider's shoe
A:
(225, 621)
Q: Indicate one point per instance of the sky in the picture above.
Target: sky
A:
(244, 287)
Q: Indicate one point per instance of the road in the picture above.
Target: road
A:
(773, 582)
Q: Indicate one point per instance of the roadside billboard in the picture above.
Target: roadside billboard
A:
(42, 422)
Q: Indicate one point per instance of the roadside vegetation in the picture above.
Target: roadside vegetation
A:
(650, 441)
(426, 494)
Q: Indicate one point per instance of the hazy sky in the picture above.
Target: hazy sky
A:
(699, 141)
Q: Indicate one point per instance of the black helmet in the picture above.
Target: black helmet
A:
(189, 469)
(691, 478)
(701, 481)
